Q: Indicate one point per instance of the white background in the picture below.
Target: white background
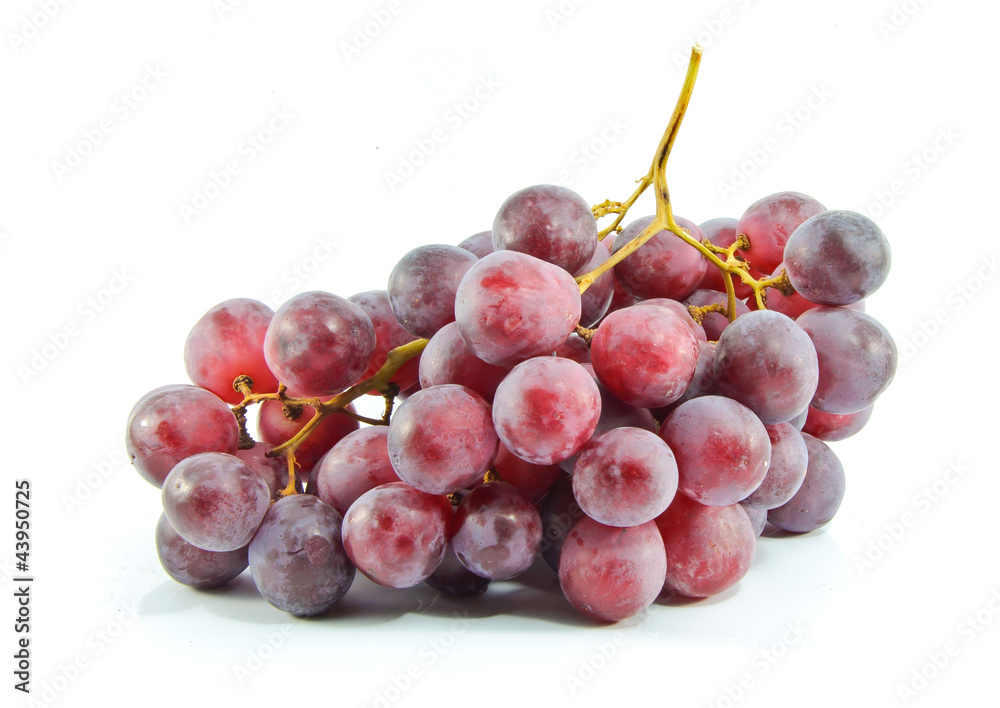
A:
(903, 105)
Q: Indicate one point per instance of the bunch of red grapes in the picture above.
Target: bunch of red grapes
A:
(633, 436)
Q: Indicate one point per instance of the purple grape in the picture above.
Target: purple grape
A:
(837, 258)
(546, 409)
(769, 222)
(709, 548)
(610, 573)
(857, 358)
(396, 535)
(625, 477)
(511, 306)
(453, 578)
(388, 335)
(229, 341)
(594, 303)
(645, 355)
(441, 439)
(559, 513)
(190, 565)
(789, 458)
(722, 233)
(422, 287)
(297, 557)
(831, 427)
(664, 266)
(172, 423)
(548, 222)
(714, 322)
(757, 516)
(497, 531)
(319, 344)
(766, 362)
(214, 501)
(354, 465)
(447, 359)
(819, 497)
(479, 245)
(722, 449)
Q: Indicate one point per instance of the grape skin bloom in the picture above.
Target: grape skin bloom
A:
(297, 557)
(215, 501)
(511, 307)
(611, 573)
(319, 344)
(546, 409)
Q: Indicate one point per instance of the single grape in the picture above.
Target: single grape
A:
(422, 287)
(819, 497)
(625, 477)
(722, 233)
(497, 531)
(396, 535)
(789, 458)
(857, 358)
(453, 578)
(297, 557)
(664, 266)
(769, 222)
(533, 481)
(319, 343)
(722, 449)
(713, 323)
(757, 516)
(682, 311)
(548, 222)
(479, 245)
(273, 470)
(831, 427)
(767, 362)
(837, 258)
(511, 306)
(359, 462)
(546, 409)
(274, 428)
(190, 565)
(388, 335)
(611, 573)
(447, 359)
(214, 501)
(441, 439)
(709, 548)
(559, 513)
(229, 341)
(645, 355)
(172, 423)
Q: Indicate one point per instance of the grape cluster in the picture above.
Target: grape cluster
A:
(638, 436)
